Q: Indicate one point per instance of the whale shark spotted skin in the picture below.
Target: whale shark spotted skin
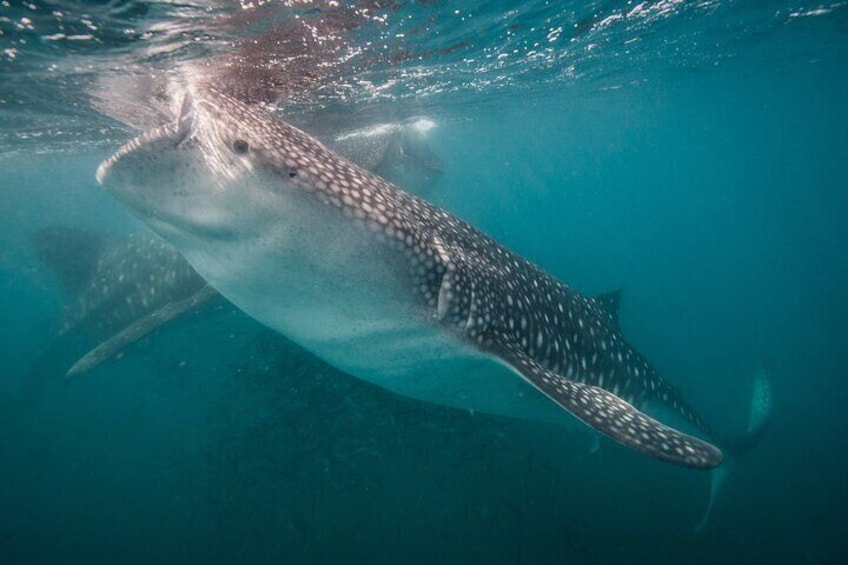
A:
(384, 285)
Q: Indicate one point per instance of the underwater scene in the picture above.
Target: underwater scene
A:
(423, 282)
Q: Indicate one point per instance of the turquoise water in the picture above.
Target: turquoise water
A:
(693, 155)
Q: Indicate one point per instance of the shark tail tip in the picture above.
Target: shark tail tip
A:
(759, 415)
(759, 418)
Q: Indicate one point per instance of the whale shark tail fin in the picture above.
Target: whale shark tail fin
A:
(759, 417)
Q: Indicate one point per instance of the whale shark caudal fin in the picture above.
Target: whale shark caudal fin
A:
(759, 417)
(138, 329)
(759, 414)
(611, 415)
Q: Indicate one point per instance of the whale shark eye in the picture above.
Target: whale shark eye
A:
(240, 146)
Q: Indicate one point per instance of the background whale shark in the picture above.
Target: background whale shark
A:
(115, 288)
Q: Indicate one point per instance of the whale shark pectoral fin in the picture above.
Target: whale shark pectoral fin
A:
(137, 330)
(612, 416)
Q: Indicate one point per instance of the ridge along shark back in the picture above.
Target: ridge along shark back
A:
(387, 287)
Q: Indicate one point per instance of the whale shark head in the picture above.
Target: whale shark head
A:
(197, 176)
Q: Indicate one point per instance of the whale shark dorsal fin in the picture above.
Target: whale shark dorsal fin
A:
(610, 302)
(611, 415)
(70, 252)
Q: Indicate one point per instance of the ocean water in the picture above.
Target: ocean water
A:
(693, 154)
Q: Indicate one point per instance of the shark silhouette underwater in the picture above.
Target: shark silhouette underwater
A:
(118, 290)
(387, 287)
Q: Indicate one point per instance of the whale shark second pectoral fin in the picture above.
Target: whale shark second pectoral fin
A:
(611, 415)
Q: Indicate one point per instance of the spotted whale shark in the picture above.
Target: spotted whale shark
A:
(384, 285)
(118, 290)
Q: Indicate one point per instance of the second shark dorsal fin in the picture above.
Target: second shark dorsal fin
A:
(611, 415)
(71, 253)
(610, 302)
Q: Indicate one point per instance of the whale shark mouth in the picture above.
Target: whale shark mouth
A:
(180, 131)
(151, 136)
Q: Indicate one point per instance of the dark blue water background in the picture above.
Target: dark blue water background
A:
(704, 170)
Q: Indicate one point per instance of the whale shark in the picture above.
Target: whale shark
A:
(385, 286)
(119, 290)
